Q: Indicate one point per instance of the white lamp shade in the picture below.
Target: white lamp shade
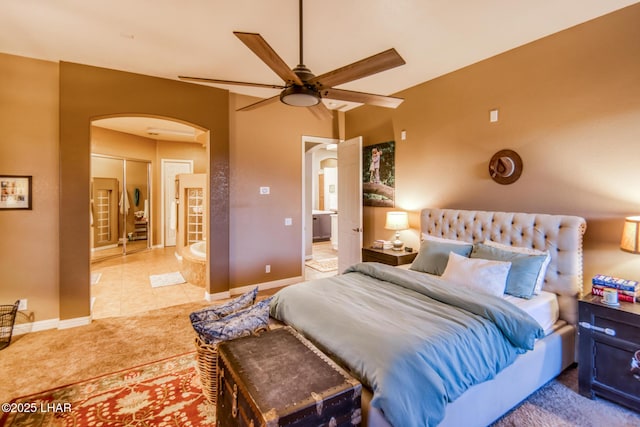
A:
(631, 235)
(397, 221)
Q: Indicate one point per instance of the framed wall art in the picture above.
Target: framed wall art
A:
(379, 175)
(15, 192)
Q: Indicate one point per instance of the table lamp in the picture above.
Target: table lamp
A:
(631, 235)
(397, 221)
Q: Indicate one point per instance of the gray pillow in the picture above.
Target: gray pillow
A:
(434, 255)
(524, 271)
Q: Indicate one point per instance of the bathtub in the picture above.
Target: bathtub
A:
(199, 249)
(194, 264)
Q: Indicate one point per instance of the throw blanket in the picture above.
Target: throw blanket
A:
(415, 340)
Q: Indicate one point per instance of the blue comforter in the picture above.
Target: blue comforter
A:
(415, 340)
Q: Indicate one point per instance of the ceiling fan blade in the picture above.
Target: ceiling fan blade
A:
(364, 98)
(260, 47)
(260, 103)
(365, 67)
(321, 111)
(228, 82)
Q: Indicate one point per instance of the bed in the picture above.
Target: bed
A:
(479, 356)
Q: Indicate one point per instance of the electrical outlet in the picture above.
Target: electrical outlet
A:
(22, 305)
(267, 268)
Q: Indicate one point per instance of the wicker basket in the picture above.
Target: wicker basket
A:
(207, 359)
(7, 320)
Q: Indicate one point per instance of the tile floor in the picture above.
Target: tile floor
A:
(124, 288)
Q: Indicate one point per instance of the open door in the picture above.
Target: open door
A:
(349, 202)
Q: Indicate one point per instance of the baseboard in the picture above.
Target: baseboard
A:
(267, 285)
(261, 287)
(40, 325)
(43, 325)
(217, 296)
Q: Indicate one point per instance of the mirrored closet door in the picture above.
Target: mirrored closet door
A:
(119, 210)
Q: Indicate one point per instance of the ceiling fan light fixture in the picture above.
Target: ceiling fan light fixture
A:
(300, 96)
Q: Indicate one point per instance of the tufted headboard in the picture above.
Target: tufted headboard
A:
(561, 235)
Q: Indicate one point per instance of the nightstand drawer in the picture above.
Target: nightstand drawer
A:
(620, 330)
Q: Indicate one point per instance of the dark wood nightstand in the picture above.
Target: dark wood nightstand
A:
(388, 256)
(609, 339)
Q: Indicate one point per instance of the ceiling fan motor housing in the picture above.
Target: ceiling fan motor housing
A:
(301, 96)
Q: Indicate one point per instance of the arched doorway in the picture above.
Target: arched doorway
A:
(87, 93)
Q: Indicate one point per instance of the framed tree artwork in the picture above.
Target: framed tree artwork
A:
(379, 175)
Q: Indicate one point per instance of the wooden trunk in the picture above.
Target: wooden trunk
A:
(280, 379)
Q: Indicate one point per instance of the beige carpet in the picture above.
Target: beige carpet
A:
(43, 360)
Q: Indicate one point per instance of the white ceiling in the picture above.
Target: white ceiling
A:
(167, 38)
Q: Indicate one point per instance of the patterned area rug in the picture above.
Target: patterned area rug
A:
(163, 393)
(323, 265)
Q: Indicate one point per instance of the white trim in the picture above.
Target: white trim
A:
(40, 325)
(267, 285)
(43, 325)
(322, 142)
(261, 287)
(72, 323)
(216, 296)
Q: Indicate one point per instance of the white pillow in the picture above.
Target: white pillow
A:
(487, 276)
(528, 251)
(443, 240)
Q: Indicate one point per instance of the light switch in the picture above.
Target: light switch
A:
(288, 221)
(265, 190)
(493, 115)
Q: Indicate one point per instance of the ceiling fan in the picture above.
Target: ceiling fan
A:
(302, 88)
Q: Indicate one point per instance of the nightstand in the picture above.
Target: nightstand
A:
(388, 256)
(609, 340)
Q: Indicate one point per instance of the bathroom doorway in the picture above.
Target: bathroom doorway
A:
(320, 198)
(134, 271)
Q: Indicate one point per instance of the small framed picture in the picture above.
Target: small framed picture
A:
(15, 192)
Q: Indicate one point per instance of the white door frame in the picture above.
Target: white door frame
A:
(305, 196)
(163, 163)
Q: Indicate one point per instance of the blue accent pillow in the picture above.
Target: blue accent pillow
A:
(239, 324)
(434, 255)
(216, 312)
(524, 271)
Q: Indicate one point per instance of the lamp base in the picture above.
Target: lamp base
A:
(397, 245)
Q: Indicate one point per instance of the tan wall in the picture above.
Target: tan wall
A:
(88, 93)
(29, 99)
(569, 104)
(266, 151)
(184, 151)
